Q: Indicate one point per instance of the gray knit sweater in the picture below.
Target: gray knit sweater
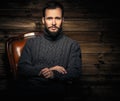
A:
(42, 51)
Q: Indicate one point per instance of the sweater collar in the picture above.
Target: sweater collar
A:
(51, 38)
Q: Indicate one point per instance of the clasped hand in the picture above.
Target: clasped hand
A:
(48, 72)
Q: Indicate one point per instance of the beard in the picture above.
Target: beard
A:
(53, 34)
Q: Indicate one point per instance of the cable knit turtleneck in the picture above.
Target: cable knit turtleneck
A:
(42, 51)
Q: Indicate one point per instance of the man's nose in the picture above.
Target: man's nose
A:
(54, 22)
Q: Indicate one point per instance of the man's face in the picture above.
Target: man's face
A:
(53, 19)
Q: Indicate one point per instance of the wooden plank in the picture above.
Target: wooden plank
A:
(84, 36)
(101, 69)
(107, 58)
(34, 8)
(111, 37)
(90, 59)
(95, 48)
(36, 13)
(17, 24)
(69, 25)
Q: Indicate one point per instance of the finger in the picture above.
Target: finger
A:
(44, 70)
(45, 73)
(62, 71)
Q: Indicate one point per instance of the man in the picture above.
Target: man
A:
(51, 60)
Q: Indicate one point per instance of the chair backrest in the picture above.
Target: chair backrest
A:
(14, 46)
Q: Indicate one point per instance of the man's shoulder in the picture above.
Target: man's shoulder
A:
(70, 39)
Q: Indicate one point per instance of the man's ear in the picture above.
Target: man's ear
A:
(43, 20)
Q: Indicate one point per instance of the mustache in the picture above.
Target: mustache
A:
(53, 26)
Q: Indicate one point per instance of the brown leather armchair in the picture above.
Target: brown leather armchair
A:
(14, 46)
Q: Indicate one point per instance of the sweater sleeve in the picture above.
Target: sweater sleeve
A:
(25, 65)
(74, 67)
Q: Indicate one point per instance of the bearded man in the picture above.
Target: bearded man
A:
(50, 60)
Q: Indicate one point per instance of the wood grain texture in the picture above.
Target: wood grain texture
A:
(94, 24)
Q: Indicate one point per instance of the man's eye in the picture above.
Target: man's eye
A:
(49, 18)
(58, 18)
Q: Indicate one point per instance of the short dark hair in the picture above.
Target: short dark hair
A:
(52, 5)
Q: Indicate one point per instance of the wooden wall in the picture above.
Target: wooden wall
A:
(93, 23)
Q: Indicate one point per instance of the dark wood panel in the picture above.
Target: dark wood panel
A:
(80, 8)
(69, 25)
(102, 69)
(36, 13)
(111, 37)
(107, 58)
(84, 36)
(94, 24)
(95, 48)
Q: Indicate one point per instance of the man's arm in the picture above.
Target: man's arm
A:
(74, 67)
(25, 65)
(48, 72)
